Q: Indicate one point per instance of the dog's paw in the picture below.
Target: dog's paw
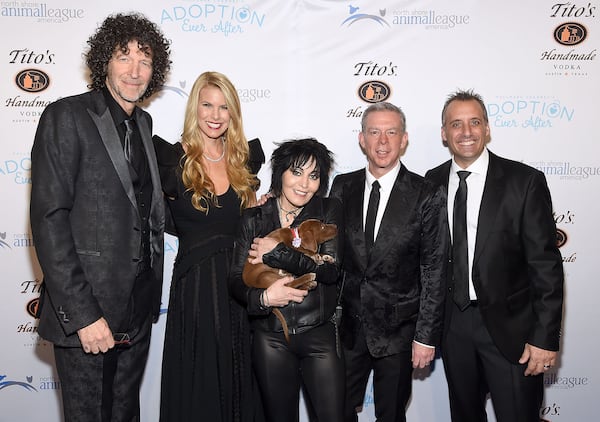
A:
(328, 258)
(309, 285)
(321, 259)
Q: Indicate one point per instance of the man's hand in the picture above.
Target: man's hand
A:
(538, 360)
(422, 355)
(96, 337)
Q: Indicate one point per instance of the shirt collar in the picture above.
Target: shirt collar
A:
(116, 111)
(387, 180)
(479, 166)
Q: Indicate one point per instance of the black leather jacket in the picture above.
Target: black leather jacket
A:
(319, 305)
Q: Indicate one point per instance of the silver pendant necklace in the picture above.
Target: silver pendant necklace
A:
(287, 213)
(216, 160)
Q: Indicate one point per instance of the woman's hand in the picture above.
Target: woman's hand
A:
(278, 294)
(260, 201)
(263, 199)
(259, 247)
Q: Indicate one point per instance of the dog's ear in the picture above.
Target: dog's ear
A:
(308, 231)
(284, 235)
(330, 231)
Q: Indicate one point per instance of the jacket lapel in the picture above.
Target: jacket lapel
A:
(441, 175)
(144, 127)
(399, 209)
(110, 137)
(157, 212)
(493, 194)
(354, 217)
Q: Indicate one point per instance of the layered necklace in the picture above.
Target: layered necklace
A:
(216, 160)
(288, 213)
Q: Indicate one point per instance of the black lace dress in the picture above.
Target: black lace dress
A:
(206, 372)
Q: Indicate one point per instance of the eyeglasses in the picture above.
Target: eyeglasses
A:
(122, 339)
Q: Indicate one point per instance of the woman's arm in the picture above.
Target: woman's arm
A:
(257, 301)
(295, 262)
(248, 296)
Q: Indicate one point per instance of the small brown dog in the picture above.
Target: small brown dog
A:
(306, 238)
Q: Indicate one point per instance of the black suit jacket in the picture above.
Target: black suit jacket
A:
(398, 291)
(84, 217)
(517, 268)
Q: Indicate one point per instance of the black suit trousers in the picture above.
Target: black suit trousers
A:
(475, 367)
(392, 382)
(105, 387)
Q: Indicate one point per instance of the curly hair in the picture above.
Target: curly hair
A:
(194, 174)
(296, 153)
(116, 32)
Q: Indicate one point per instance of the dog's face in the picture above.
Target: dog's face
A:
(320, 231)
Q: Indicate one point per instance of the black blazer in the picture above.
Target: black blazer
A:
(517, 268)
(84, 217)
(398, 291)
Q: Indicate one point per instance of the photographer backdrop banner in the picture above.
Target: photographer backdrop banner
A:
(310, 68)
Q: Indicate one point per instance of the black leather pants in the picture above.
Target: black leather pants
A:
(309, 360)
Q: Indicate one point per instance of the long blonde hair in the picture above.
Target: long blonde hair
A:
(194, 174)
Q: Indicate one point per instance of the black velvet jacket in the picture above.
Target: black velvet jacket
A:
(397, 291)
(85, 220)
(319, 305)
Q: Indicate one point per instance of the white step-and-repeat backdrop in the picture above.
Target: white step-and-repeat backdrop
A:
(311, 67)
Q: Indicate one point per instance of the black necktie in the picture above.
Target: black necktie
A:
(460, 260)
(371, 215)
(128, 135)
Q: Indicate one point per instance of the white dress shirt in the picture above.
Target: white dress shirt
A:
(386, 183)
(475, 184)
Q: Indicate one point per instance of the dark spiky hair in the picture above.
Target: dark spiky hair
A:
(296, 153)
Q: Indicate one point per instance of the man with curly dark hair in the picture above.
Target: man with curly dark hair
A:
(98, 219)
(116, 33)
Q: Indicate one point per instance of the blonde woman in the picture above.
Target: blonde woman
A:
(207, 181)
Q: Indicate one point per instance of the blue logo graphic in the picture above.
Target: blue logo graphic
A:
(41, 12)
(171, 247)
(355, 17)
(213, 18)
(19, 169)
(246, 94)
(566, 170)
(535, 112)
(22, 240)
(176, 90)
(26, 385)
(3, 243)
(429, 19)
